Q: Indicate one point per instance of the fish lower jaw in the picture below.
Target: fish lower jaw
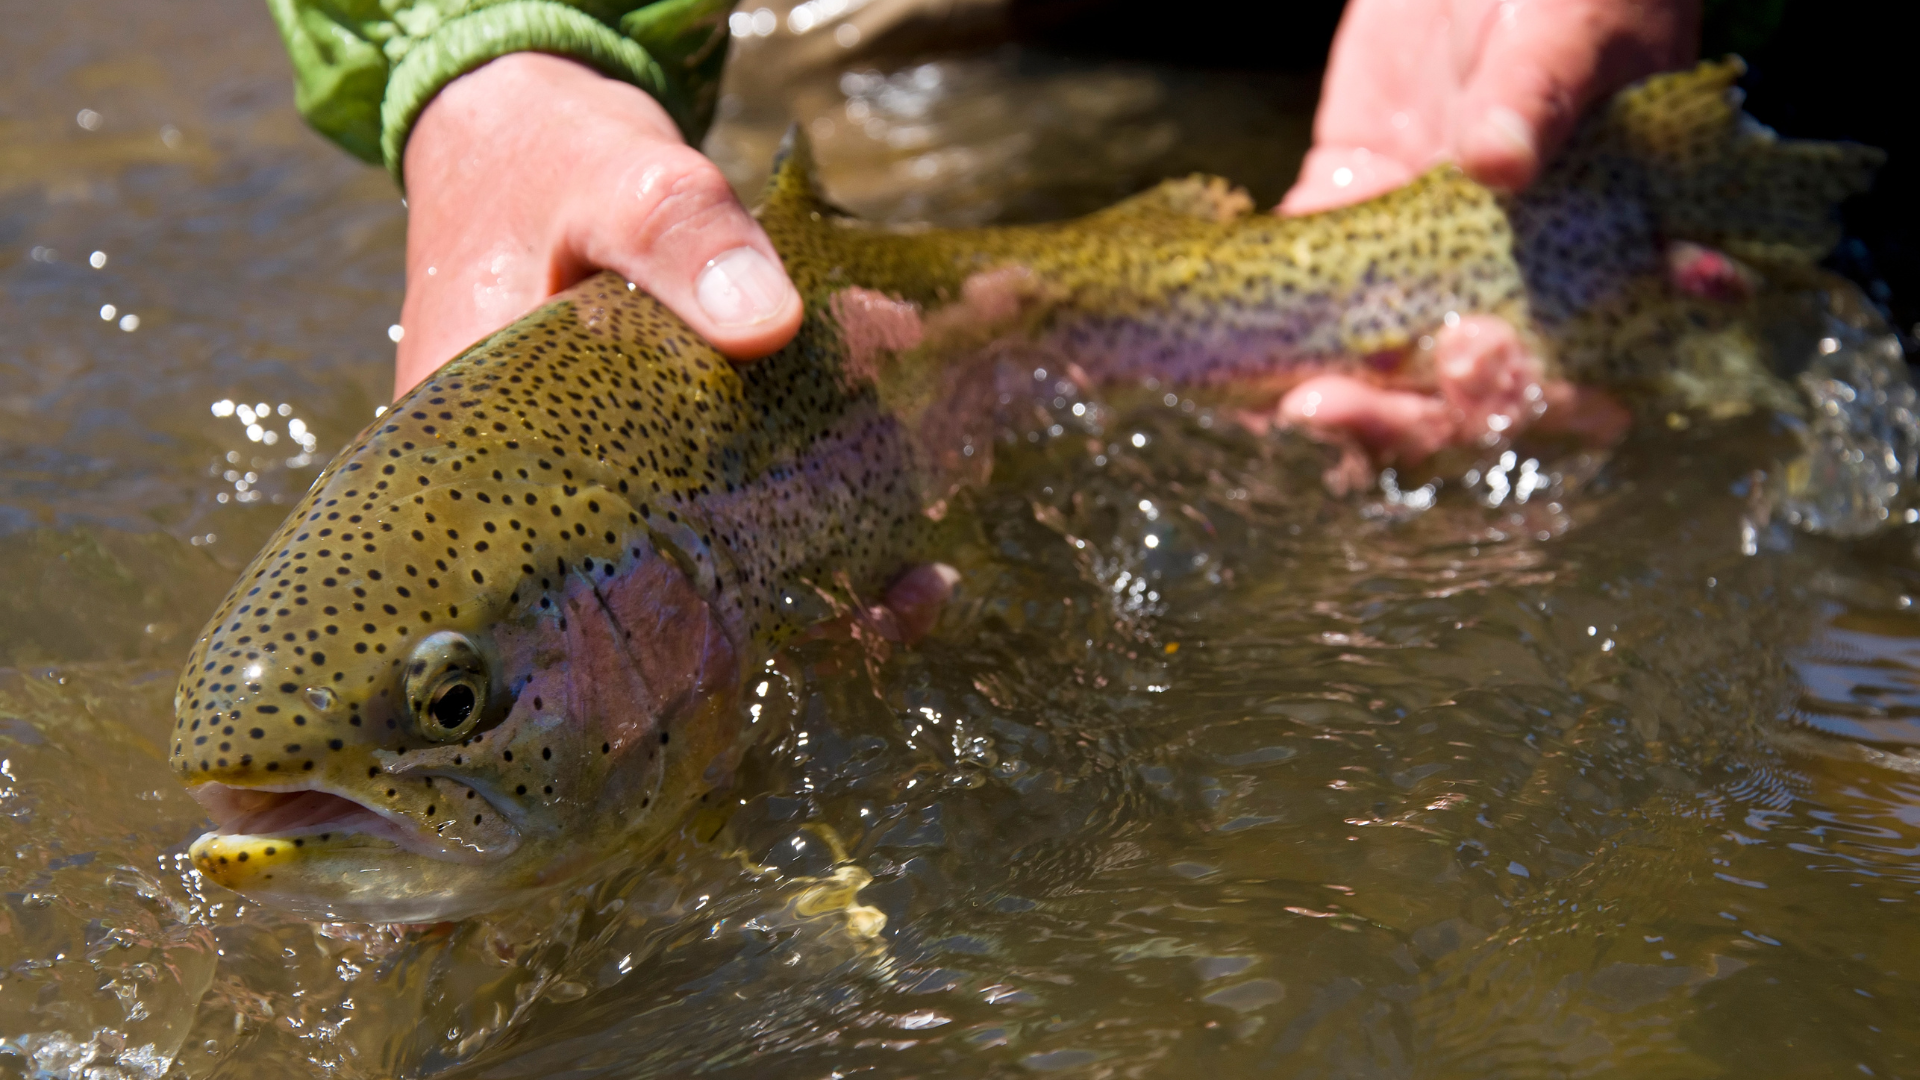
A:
(251, 823)
(344, 876)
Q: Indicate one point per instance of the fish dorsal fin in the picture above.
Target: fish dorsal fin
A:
(1183, 202)
(1208, 198)
(792, 193)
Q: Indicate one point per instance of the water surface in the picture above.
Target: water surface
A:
(1204, 771)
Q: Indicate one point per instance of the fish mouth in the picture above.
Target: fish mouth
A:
(289, 813)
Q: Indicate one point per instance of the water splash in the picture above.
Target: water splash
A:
(103, 1055)
(1860, 440)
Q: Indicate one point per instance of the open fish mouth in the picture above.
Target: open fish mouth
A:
(300, 814)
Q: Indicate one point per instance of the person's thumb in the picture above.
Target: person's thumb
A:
(1336, 176)
(674, 228)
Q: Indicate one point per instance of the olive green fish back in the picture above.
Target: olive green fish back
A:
(1183, 282)
(1186, 283)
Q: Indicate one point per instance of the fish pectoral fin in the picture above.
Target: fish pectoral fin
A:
(838, 893)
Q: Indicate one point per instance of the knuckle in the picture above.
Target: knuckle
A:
(679, 192)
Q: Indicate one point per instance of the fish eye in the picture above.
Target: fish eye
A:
(446, 686)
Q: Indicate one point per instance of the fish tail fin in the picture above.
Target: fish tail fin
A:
(1717, 176)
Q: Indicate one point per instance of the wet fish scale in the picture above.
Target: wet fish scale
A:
(592, 525)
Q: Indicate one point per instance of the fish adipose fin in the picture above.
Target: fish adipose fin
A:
(1718, 177)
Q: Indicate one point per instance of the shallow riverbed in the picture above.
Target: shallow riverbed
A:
(1564, 772)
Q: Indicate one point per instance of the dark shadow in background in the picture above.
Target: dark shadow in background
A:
(1836, 69)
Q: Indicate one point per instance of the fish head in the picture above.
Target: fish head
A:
(462, 671)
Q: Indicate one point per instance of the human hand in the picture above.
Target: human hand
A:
(1495, 85)
(532, 172)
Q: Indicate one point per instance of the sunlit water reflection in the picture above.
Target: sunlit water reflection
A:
(1535, 775)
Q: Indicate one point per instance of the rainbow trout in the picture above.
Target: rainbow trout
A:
(503, 636)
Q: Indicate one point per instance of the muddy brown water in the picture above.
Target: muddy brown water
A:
(1204, 772)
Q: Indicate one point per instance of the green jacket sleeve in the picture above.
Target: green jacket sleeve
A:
(363, 69)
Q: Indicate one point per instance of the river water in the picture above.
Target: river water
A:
(1588, 768)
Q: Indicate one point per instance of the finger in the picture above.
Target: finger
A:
(904, 616)
(1542, 64)
(1489, 376)
(917, 596)
(1394, 425)
(1587, 413)
(677, 231)
(1335, 176)
(1384, 93)
(1387, 79)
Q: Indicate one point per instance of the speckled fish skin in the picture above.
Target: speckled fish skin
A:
(504, 635)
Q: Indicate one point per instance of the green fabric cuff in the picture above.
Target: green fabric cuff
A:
(460, 45)
(688, 38)
(339, 75)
